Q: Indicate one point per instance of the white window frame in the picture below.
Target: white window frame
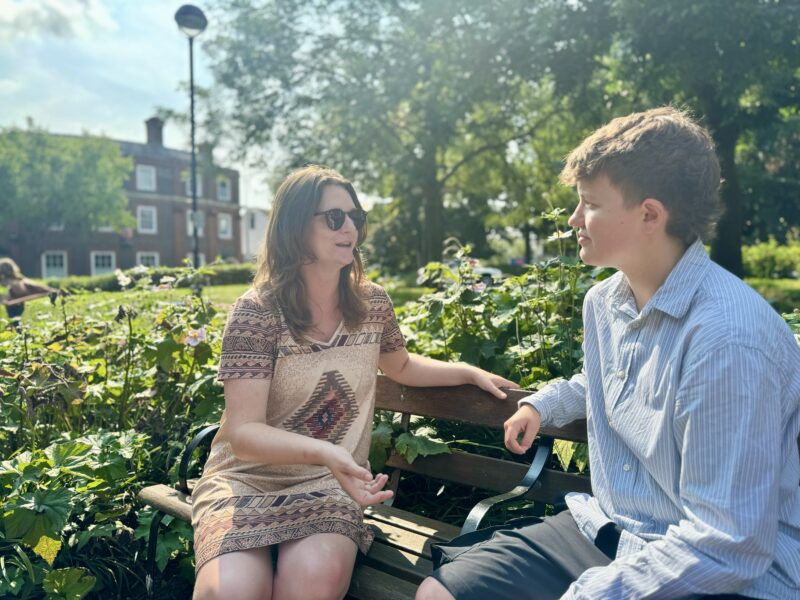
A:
(45, 274)
(104, 229)
(187, 180)
(200, 229)
(229, 218)
(201, 257)
(228, 195)
(155, 255)
(146, 178)
(93, 267)
(141, 209)
(56, 226)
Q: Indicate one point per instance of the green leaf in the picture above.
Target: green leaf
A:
(564, 450)
(410, 445)
(70, 455)
(67, 584)
(379, 446)
(47, 548)
(38, 514)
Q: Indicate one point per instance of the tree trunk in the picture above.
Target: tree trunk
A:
(526, 234)
(433, 209)
(726, 247)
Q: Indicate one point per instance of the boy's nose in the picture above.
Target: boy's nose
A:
(576, 218)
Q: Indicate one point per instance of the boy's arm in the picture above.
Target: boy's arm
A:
(728, 428)
(561, 402)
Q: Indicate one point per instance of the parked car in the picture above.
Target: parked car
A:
(485, 275)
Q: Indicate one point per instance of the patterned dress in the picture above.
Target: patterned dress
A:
(321, 389)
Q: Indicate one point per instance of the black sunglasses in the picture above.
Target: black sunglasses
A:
(335, 217)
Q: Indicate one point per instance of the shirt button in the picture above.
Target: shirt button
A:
(620, 374)
(626, 467)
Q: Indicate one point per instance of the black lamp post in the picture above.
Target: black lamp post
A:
(192, 22)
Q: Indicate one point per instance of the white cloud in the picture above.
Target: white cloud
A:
(67, 19)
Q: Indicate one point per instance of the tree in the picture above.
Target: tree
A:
(399, 95)
(72, 181)
(735, 62)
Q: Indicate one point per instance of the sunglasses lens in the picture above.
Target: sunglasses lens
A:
(359, 217)
(335, 218)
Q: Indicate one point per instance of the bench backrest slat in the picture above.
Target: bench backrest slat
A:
(492, 474)
(466, 404)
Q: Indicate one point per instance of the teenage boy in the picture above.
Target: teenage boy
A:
(691, 392)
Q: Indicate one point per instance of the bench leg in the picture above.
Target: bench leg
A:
(152, 543)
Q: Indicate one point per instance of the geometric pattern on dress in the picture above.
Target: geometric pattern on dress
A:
(329, 412)
(255, 521)
(342, 340)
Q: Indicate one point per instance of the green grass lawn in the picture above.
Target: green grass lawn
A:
(783, 294)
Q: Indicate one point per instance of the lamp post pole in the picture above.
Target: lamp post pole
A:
(192, 22)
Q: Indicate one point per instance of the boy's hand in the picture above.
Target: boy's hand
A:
(525, 422)
(492, 383)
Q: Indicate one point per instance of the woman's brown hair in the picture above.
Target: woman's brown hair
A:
(285, 250)
(9, 270)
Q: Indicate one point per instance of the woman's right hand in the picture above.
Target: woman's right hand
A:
(357, 481)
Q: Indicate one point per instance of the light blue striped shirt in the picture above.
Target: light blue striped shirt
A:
(693, 412)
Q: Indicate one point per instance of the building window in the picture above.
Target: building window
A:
(147, 219)
(224, 189)
(102, 262)
(201, 223)
(146, 178)
(104, 229)
(201, 258)
(54, 264)
(187, 181)
(147, 259)
(56, 226)
(225, 226)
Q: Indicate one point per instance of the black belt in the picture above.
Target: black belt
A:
(607, 539)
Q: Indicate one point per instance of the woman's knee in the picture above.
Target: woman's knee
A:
(222, 577)
(316, 577)
(431, 589)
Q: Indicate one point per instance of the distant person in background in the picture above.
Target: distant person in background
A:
(19, 288)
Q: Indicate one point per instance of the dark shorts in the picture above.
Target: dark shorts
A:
(529, 558)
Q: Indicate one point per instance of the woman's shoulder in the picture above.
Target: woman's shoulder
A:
(372, 292)
(256, 303)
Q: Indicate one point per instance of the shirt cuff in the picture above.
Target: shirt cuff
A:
(541, 403)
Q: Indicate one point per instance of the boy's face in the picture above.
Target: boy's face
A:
(608, 232)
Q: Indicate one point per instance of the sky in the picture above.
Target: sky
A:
(102, 67)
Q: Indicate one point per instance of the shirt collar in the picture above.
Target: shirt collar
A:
(676, 293)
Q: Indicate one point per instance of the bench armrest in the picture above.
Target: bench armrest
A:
(543, 451)
(205, 435)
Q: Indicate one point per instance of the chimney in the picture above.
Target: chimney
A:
(155, 131)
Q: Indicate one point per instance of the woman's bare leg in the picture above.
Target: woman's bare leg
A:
(317, 567)
(245, 575)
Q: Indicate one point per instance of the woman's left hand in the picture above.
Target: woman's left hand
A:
(492, 383)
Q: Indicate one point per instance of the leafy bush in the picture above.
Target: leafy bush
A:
(213, 274)
(139, 376)
(772, 260)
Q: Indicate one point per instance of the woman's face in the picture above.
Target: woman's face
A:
(333, 247)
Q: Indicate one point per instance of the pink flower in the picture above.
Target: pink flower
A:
(195, 336)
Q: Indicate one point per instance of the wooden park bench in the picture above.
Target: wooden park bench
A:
(400, 557)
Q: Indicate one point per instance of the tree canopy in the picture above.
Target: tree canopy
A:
(72, 181)
(463, 110)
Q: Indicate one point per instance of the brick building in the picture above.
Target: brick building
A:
(159, 197)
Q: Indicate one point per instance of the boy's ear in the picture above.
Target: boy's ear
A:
(654, 214)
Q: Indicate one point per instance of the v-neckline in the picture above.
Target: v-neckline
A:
(330, 340)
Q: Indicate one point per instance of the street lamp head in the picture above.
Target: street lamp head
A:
(191, 20)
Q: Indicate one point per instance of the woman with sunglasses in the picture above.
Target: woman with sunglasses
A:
(278, 510)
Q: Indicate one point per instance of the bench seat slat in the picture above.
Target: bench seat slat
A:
(168, 500)
(406, 520)
(369, 583)
(405, 565)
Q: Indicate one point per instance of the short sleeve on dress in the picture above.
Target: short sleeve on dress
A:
(392, 338)
(250, 341)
